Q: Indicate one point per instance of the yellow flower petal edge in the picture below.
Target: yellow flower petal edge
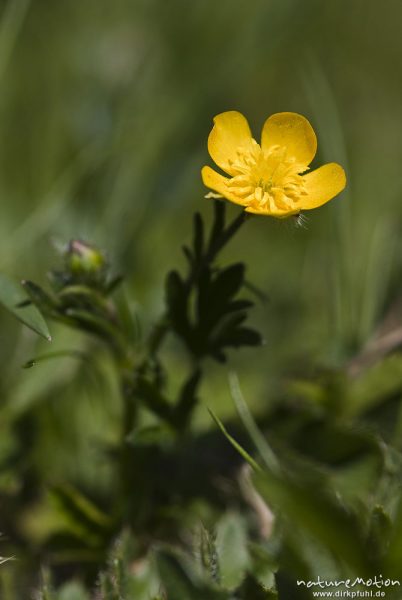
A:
(218, 183)
(322, 185)
(293, 132)
(271, 178)
(229, 133)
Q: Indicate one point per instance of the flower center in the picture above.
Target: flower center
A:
(267, 180)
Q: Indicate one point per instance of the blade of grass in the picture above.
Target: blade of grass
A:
(235, 444)
(260, 443)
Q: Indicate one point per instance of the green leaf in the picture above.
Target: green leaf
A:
(176, 300)
(306, 500)
(130, 574)
(38, 296)
(216, 292)
(239, 305)
(98, 325)
(202, 307)
(72, 591)
(242, 336)
(11, 296)
(151, 435)
(310, 506)
(375, 386)
(78, 504)
(153, 399)
(393, 559)
(205, 548)
(77, 354)
(181, 582)
(252, 590)
(264, 561)
(229, 280)
(233, 555)
(80, 516)
(380, 531)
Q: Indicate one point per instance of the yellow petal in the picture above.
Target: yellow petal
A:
(292, 131)
(217, 182)
(230, 132)
(322, 185)
(279, 213)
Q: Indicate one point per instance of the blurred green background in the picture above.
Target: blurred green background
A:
(105, 109)
(105, 112)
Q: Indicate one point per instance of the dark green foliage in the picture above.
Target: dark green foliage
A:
(180, 583)
(252, 590)
(325, 496)
(203, 307)
(154, 458)
(82, 520)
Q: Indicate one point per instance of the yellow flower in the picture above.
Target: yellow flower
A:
(271, 178)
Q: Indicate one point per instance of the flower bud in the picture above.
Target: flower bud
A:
(84, 259)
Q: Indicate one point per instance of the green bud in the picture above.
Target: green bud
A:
(84, 259)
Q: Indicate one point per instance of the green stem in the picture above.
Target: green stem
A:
(129, 408)
(157, 335)
(214, 247)
(227, 234)
(163, 326)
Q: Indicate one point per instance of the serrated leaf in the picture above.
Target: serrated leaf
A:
(206, 550)
(11, 296)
